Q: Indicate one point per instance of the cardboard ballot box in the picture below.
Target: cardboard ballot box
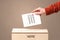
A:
(29, 34)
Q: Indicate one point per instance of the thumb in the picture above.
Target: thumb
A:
(38, 13)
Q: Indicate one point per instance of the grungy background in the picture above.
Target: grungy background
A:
(10, 17)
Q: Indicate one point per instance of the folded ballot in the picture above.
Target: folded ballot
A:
(31, 19)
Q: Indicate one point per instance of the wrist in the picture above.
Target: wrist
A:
(44, 11)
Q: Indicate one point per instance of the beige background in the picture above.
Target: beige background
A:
(10, 17)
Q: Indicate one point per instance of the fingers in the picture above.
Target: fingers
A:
(37, 11)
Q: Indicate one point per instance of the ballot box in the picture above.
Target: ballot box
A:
(29, 34)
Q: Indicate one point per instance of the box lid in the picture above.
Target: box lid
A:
(24, 30)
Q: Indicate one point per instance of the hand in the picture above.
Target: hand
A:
(39, 11)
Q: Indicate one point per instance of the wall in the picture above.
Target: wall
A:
(10, 17)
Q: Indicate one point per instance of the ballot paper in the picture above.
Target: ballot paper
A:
(31, 19)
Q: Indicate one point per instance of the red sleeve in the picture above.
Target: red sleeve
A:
(52, 8)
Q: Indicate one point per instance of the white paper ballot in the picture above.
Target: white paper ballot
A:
(31, 19)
